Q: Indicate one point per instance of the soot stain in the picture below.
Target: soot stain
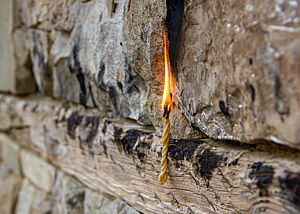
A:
(91, 124)
(114, 6)
(251, 89)
(263, 174)
(234, 162)
(73, 122)
(104, 128)
(120, 85)
(101, 73)
(104, 147)
(223, 107)
(180, 149)
(205, 163)
(130, 80)
(129, 140)
(175, 9)
(250, 61)
(77, 68)
(195, 127)
(92, 95)
(290, 187)
(113, 94)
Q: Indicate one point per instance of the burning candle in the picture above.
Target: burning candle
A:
(167, 107)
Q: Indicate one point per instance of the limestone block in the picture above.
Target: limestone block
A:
(10, 153)
(25, 198)
(37, 138)
(68, 194)
(74, 194)
(120, 207)
(10, 182)
(32, 200)
(96, 203)
(15, 71)
(24, 80)
(38, 171)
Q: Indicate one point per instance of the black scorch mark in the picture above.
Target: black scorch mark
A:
(205, 163)
(223, 107)
(73, 122)
(234, 162)
(127, 142)
(76, 67)
(251, 89)
(88, 129)
(263, 174)
(290, 187)
(180, 149)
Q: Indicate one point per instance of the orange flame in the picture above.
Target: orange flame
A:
(167, 100)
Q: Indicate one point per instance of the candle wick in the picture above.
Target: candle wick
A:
(167, 110)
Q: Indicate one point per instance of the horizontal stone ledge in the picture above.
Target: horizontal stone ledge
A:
(121, 158)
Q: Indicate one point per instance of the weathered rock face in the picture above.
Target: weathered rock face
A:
(236, 64)
(238, 72)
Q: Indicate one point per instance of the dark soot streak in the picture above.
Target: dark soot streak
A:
(175, 10)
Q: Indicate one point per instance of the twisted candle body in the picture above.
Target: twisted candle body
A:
(163, 177)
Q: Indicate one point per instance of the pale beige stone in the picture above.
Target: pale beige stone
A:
(15, 72)
(38, 171)
(94, 202)
(25, 198)
(32, 200)
(10, 183)
(10, 153)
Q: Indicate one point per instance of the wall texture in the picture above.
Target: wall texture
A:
(236, 70)
(237, 73)
(29, 184)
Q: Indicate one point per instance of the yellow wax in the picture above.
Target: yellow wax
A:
(163, 177)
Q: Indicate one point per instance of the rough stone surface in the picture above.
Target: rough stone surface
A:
(118, 157)
(10, 153)
(21, 193)
(95, 203)
(25, 198)
(236, 64)
(238, 70)
(37, 170)
(10, 181)
(15, 72)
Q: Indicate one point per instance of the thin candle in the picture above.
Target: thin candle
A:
(167, 107)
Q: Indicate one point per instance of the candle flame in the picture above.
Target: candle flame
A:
(167, 99)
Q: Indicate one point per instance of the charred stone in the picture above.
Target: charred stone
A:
(73, 122)
(206, 162)
(263, 175)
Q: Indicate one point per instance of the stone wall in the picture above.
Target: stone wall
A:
(236, 64)
(30, 185)
(92, 72)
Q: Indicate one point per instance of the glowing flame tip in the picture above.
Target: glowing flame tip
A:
(167, 100)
